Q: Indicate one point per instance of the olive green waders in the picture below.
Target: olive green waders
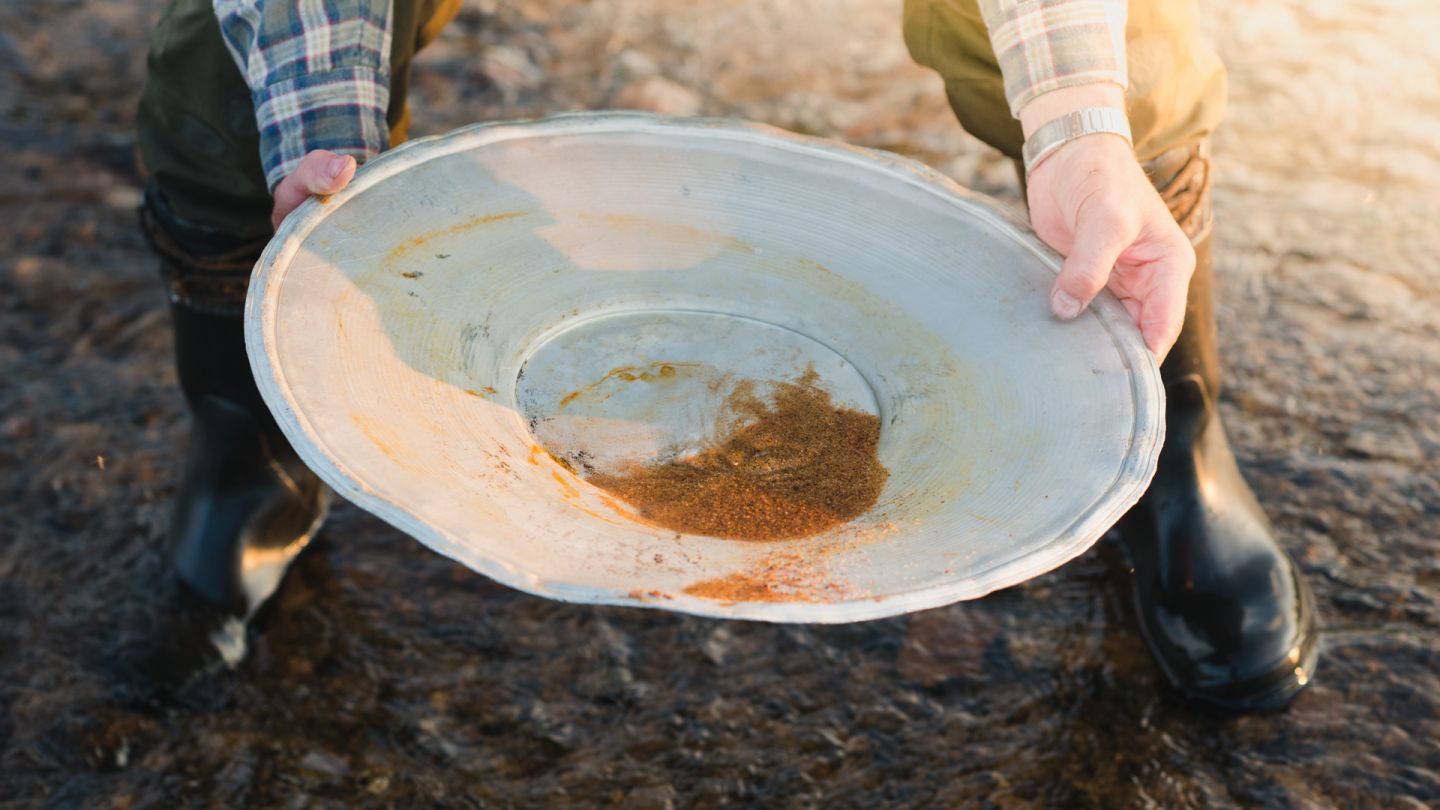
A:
(246, 505)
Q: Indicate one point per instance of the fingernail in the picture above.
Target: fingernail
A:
(337, 165)
(1064, 304)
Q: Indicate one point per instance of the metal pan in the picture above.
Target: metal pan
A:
(428, 337)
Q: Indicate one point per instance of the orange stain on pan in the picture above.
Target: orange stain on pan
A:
(655, 372)
(474, 222)
(566, 486)
(566, 478)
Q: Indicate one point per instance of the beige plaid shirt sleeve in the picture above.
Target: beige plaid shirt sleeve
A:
(1044, 45)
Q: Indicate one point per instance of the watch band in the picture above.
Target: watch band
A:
(1043, 142)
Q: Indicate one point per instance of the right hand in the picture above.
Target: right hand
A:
(1090, 201)
(319, 172)
(1093, 204)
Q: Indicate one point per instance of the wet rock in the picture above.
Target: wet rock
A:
(511, 70)
(325, 763)
(882, 719)
(435, 731)
(947, 643)
(123, 198)
(377, 785)
(717, 645)
(236, 777)
(1384, 440)
(635, 64)
(652, 797)
(17, 426)
(544, 725)
(658, 95)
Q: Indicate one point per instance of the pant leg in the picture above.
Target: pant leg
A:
(197, 132)
(1177, 83)
(417, 23)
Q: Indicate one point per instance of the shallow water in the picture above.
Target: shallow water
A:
(385, 675)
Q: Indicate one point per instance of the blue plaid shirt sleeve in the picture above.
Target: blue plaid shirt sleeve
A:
(318, 72)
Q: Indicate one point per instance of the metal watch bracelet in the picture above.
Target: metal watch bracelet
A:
(1043, 142)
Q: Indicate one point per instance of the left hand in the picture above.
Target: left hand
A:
(319, 172)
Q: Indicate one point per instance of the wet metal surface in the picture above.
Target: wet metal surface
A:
(387, 676)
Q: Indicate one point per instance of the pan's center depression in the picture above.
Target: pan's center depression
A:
(706, 423)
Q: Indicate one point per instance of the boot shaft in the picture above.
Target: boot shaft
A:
(206, 274)
(211, 362)
(246, 504)
(1182, 176)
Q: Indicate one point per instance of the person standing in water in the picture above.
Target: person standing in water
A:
(252, 106)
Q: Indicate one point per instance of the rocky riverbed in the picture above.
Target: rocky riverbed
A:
(385, 675)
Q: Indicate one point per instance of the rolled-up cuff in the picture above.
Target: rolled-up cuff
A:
(1034, 91)
(203, 268)
(341, 110)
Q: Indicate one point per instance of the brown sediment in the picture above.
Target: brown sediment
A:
(743, 587)
(774, 578)
(791, 467)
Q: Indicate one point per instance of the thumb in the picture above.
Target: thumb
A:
(1100, 238)
(319, 172)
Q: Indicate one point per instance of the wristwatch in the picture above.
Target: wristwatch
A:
(1043, 142)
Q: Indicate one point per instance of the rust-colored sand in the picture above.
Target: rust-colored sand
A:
(742, 588)
(791, 467)
(776, 577)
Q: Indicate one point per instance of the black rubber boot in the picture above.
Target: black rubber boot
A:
(246, 505)
(1220, 603)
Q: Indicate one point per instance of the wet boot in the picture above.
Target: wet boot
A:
(247, 505)
(1220, 603)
